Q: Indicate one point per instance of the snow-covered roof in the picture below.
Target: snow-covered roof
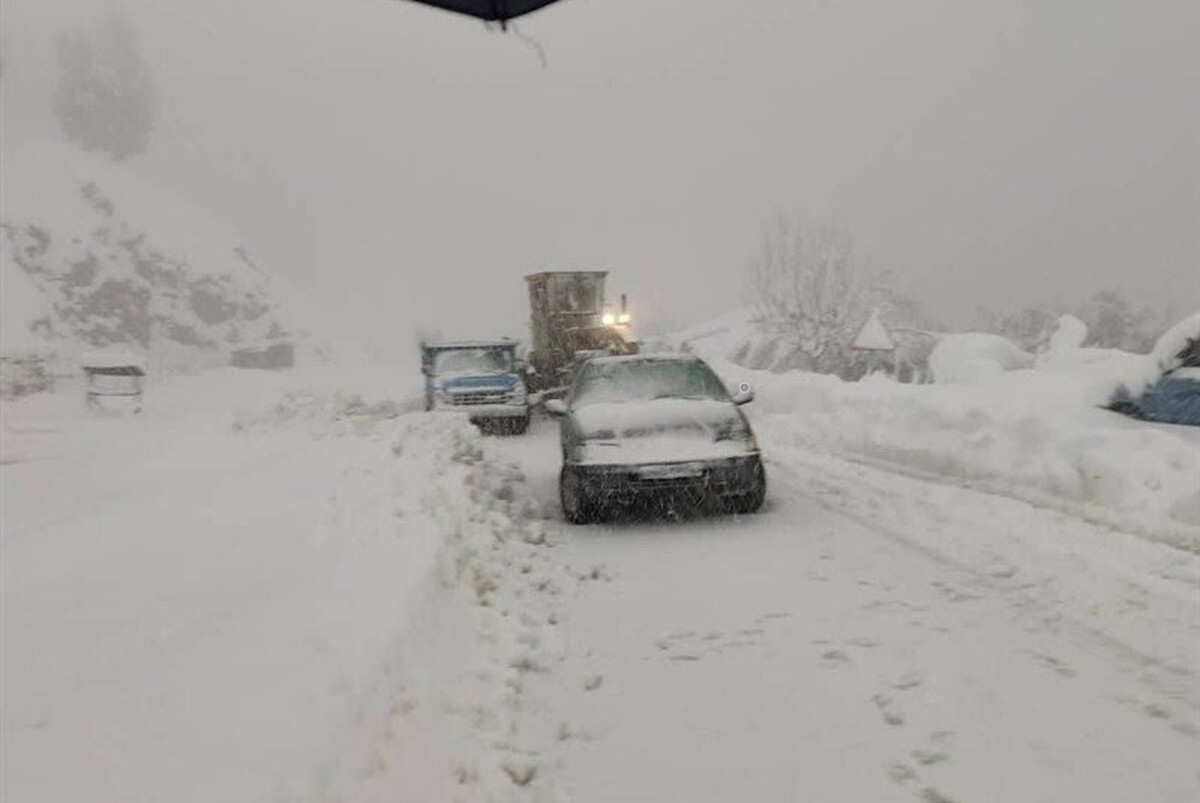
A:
(506, 342)
(612, 358)
(113, 358)
(873, 336)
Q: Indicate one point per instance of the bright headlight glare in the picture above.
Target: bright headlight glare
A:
(608, 319)
(624, 317)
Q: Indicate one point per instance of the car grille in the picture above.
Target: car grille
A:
(472, 399)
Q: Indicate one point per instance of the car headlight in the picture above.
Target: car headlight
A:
(738, 431)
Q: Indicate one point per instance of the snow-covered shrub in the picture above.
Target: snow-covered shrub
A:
(971, 357)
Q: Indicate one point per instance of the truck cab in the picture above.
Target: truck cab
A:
(483, 378)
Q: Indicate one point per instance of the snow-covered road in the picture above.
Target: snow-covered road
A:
(268, 589)
(870, 636)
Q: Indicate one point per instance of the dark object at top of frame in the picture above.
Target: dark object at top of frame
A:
(500, 11)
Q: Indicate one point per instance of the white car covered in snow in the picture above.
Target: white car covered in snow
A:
(639, 428)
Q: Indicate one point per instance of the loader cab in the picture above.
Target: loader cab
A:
(569, 320)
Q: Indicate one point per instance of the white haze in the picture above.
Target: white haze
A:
(409, 166)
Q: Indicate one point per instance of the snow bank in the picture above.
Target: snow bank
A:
(1166, 352)
(1027, 434)
(1036, 434)
(248, 591)
(974, 357)
(1003, 421)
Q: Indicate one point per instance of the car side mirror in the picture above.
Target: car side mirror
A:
(744, 394)
(556, 407)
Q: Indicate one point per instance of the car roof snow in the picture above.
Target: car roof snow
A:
(503, 342)
(623, 358)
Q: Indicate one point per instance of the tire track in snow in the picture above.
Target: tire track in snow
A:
(988, 570)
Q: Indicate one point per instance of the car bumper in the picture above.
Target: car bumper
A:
(729, 476)
(480, 412)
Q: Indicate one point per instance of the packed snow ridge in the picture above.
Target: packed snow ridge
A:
(1030, 426)
(314, 593)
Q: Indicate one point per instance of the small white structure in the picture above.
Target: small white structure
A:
(113, 376)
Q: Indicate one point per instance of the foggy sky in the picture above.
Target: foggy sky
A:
(410, 166)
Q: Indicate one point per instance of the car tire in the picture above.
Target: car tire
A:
(578, 503)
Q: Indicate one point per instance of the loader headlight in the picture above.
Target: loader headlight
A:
(608, 319)
(624, 317)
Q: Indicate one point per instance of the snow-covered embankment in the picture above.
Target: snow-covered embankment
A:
(250, 592)
(1038, 434)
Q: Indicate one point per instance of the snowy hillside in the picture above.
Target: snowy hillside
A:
(94, 257)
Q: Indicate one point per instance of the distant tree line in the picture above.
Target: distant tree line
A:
(1113, 322)
(812, 291)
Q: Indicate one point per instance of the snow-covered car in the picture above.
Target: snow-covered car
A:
(1173, 399)
(639, 427)
(1174, 396)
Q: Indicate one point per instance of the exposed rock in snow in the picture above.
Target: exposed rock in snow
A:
(93, 256)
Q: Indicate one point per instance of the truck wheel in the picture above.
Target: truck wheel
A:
(578, 504)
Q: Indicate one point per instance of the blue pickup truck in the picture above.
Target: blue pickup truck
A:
(482, 378)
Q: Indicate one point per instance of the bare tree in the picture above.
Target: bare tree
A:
(810, 290)
(105, 98)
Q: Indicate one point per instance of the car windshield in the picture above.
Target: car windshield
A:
(479, 360)
(646, 380)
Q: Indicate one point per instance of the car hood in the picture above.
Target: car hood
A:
(663, 430)
(478, 383)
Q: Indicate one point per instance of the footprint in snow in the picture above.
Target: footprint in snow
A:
(890, 715)
(1057, 665)
(863, 641)
(766, 617)
(835, 657)
(909, 680)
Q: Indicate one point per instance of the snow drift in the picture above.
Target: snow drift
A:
(260, 589)
(1038, 433)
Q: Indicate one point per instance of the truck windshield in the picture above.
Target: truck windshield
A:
(646, 380)
(479, 360)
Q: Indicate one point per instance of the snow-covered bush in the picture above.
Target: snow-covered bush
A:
(811, 294)
(975, 356)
